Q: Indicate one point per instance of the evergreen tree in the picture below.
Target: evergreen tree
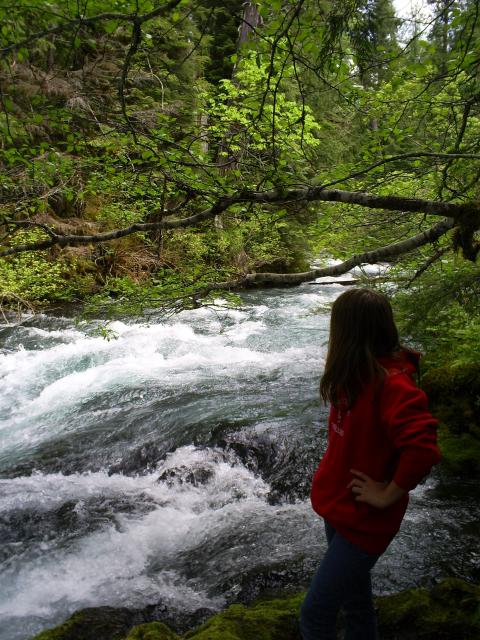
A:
(440, 35)
(374, 39)
(223, 22)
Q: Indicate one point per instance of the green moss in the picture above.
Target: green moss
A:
(394, 611)
(152, 631)
(450, 611)
(461, 452)
(454, 394)
(99, 623)
(266, 620)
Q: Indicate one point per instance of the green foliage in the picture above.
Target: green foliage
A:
(34, 277)
(374, 40)
(170, 291)
(221, 20)
(460, 452)
(316, 96)
(454, 394)
(442, 311)
(274, 129)
(190, 247)
(118, 215)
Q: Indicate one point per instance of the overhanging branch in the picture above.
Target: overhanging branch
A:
(369, 257)
(459, 212)
(253, 280)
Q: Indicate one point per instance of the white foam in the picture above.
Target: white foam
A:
(114, 565)
(48, 491)
(131, 559)
(40, 389)
(109, 567)
(245, 330)
(44, 492)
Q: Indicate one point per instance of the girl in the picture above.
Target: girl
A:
(381, 443)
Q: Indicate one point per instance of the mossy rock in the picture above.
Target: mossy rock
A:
(266, 620)
(461, 453)
(98, 623)
(450, 611)
(454, 394)
(152, 631)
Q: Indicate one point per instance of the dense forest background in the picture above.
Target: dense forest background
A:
(158, 156)
(158, 153)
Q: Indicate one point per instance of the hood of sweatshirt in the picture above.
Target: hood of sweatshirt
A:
(406, 360)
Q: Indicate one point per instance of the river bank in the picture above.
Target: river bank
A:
(448, 611)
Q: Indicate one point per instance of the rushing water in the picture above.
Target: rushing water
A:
(172, 464)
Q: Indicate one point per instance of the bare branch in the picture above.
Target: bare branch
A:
(370, 257)
(134, 44)
(463, 213)
(466, 112)
(431, 260)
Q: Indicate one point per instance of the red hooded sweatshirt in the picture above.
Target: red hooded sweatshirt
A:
(389, 434)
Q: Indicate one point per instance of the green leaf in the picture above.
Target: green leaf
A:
(8, 104)
(111, 26)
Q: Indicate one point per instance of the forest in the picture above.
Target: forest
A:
(158, 154)
(167, 157)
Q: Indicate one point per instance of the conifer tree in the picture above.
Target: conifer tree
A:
(374, 39)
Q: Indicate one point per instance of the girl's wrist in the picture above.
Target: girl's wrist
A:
(391, 494)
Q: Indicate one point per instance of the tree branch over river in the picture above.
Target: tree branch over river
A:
(147, 140)
(459, 213)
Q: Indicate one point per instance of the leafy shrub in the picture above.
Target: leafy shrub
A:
(32, 275)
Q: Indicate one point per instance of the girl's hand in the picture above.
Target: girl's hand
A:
(377, 494)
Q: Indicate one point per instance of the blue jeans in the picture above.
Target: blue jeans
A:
(341, 581)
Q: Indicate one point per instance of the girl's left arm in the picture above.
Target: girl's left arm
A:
(411, 428)
(377, 494)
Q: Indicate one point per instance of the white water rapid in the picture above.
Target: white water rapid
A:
(172, 464)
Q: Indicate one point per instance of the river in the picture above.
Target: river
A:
(172, 464)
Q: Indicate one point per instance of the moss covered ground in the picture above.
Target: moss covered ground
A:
(98, 623)
(266, 620)
(152, 631)
(448, 611)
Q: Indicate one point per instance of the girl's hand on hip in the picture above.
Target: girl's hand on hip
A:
(376, 494)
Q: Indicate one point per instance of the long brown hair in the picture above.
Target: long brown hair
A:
(362, 329)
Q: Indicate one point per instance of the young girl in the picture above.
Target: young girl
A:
(381, 443)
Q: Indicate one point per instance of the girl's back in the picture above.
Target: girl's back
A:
(381, 443)
(386, 418)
